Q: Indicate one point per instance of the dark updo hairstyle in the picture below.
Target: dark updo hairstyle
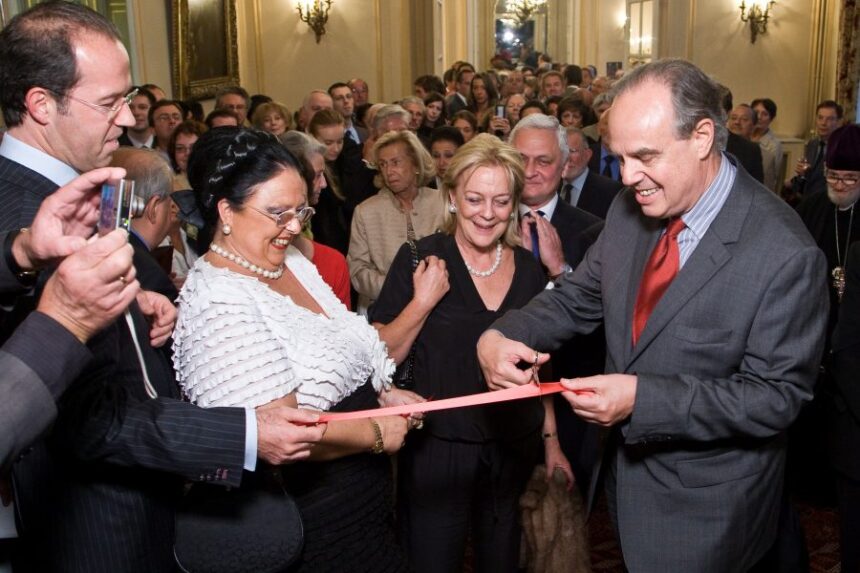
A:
(228, 163)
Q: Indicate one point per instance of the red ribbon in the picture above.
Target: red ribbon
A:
(518, 393)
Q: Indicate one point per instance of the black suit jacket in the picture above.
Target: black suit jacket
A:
(581, 356)
(597, 194)
(149, 273)
(98, 493)
(748, 155)
(844, 393)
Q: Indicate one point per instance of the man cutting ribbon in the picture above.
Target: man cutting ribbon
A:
(714, 302)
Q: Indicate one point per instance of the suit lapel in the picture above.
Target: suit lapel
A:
(710, 256)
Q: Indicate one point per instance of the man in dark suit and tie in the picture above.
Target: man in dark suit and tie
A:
(809, 172)
(558, 234)
(714, 301)
(580, 186)
(98, 493)
(459, 100)
(344, 103)
(47, 351)
(603, 160)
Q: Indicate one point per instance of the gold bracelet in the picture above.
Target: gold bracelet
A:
(548, 435)
(378, 445)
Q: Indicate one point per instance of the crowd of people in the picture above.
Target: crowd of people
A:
(638, 238)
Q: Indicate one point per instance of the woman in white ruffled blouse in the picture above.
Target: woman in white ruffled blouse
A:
(258, 324)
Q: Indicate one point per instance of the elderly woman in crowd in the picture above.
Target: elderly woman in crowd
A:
(403, 209)
(258, 324)
(465, 472)
(272, 117)
(771, 146)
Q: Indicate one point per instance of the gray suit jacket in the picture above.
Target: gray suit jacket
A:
(37, 363)
(724, 364)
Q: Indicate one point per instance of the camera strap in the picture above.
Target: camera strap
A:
(150, 390)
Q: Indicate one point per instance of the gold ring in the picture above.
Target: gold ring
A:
(122, 279)
(419, 425)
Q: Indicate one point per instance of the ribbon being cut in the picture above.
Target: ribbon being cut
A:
(518, 393)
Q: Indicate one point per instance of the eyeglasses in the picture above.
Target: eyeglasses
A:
(111, 110)
(284, 218)
(848, 181)
(168, 117)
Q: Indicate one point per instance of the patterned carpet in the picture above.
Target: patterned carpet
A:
(820, 524)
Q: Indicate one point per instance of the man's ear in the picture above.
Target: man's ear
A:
(704, 136)
(150, 212)
(41, 105)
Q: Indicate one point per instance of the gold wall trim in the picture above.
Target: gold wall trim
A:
(258, 47)
(138, 43)
(817, 54)
(691, 26)
(380, 73)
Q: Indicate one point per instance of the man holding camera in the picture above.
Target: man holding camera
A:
(99, 493)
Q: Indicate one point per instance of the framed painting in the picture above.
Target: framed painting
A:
(205, 55)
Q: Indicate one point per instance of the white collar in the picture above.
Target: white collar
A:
(36, 160)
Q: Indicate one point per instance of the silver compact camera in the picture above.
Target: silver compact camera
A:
(119, 205)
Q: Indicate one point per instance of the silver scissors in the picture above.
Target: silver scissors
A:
(535, 377)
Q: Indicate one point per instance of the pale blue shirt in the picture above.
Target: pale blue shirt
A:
(578, 183)
(60, 174)
(698, 219)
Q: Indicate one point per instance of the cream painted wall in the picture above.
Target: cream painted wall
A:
(372, 39)
(776, 66)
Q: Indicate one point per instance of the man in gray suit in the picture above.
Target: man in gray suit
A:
(714, 302)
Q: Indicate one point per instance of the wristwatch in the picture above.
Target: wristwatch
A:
(26, 278)
(378, 445)
(565, 270)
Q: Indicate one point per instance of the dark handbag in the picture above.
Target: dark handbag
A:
(404, 377)
(256, 528)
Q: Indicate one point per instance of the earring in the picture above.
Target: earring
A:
(226, 229)
(512, 215)
(451, 207)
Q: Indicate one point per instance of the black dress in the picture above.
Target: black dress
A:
(347, 507)
(464, 472)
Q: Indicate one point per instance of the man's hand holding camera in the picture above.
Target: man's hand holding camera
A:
(96, 280)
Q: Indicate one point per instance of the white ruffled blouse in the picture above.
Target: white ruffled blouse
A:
(239, 343)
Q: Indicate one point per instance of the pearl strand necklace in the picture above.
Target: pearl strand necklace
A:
(244, 263)
(491, 270)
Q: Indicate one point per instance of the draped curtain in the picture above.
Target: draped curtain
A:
(848, 59)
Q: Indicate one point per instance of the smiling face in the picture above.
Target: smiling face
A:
(843, 187)
(668, 174)
(484, 206)
(275, 123)
(255, 236)
(81, 136)
(397, 168)
(542, 158)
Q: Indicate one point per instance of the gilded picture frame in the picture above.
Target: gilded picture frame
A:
(205, 55)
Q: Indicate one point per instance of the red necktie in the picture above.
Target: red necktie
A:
(661, 268)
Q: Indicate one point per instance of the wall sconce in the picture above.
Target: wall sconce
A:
(756, 16)
(314, 13)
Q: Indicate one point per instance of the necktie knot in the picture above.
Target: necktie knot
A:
(674, 227)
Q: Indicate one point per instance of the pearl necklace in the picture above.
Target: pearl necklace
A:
(244, 263)
(494, 268)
